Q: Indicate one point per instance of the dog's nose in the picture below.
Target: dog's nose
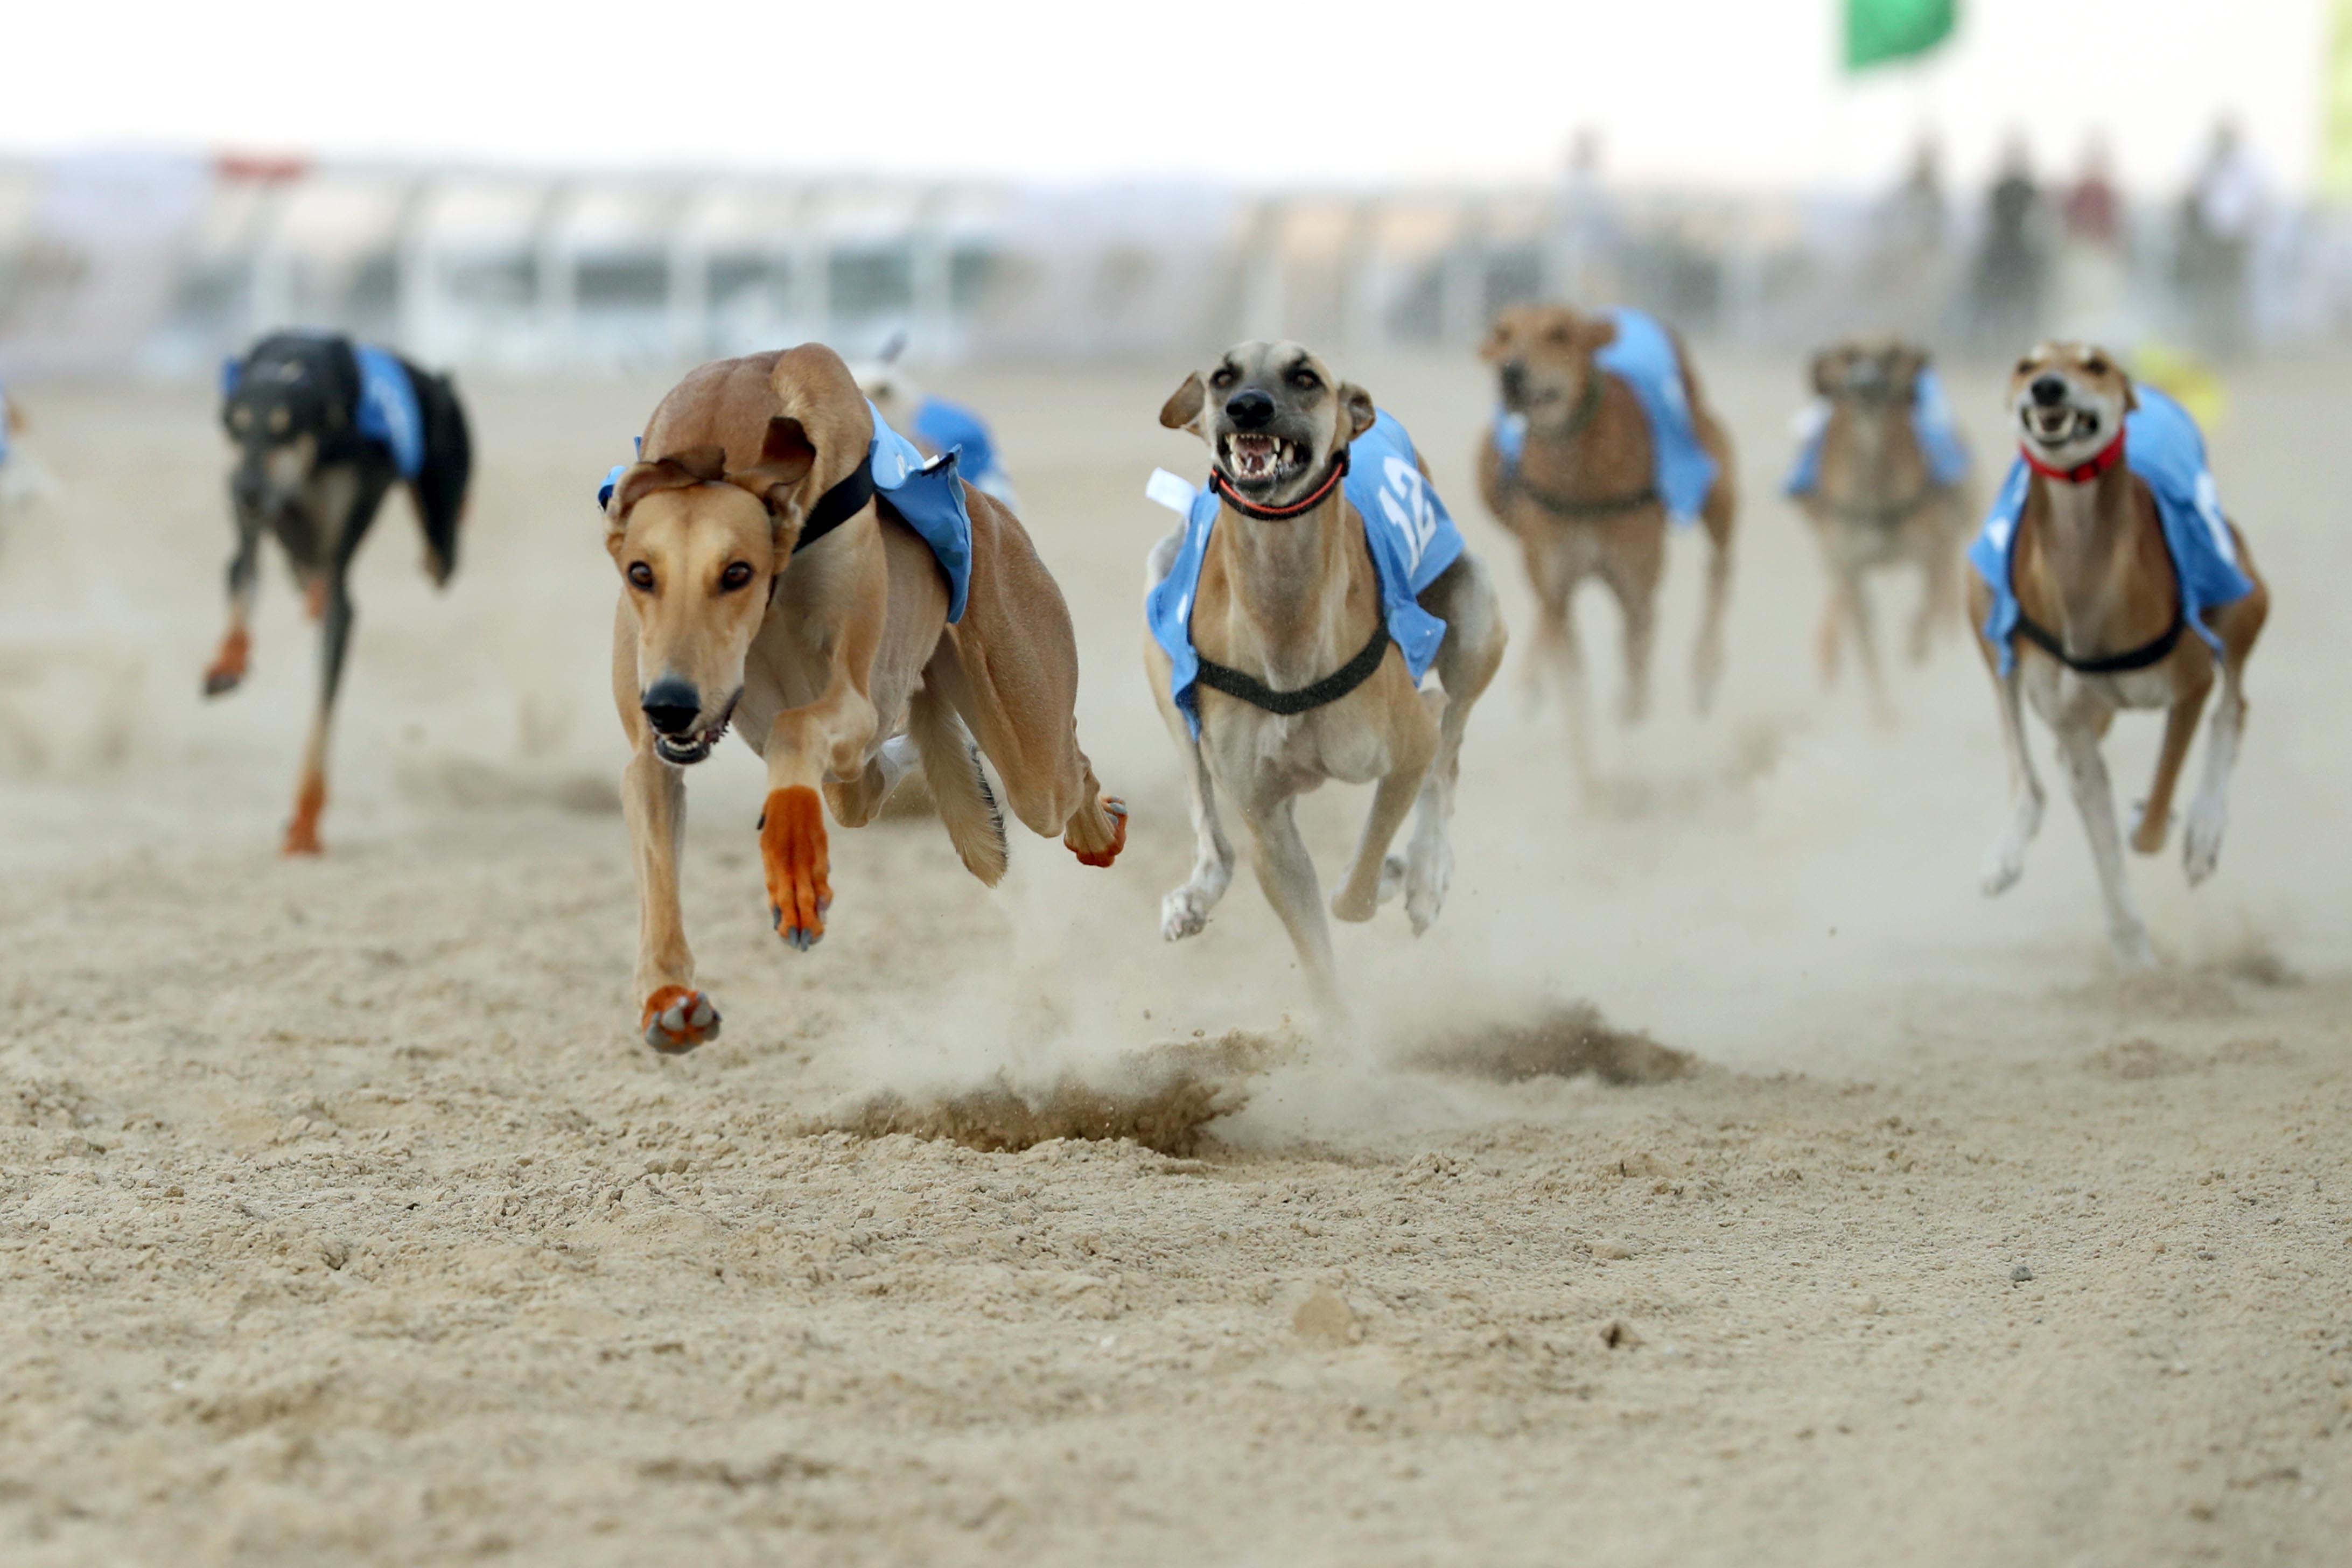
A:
(1515, 380)
(671, 705)
(2049, 391)
(1249, 410)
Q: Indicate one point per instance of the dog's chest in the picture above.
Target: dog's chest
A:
(1299, 751)
(2056, 692)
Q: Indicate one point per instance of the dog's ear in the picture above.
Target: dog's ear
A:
(2131, 394)
(1595, 334)
(786, 455)
(675, 471)
(1821, 372)
(1182, 409)
(1357, 403)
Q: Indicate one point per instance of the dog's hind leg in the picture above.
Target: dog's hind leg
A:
(2154, 822)
(1463, 598)
(2079, 735)
(230, 663)
(2208, 813)
(1855, 595)
(960, 787)
(1717, 514)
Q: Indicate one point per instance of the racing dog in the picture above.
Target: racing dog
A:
(935, 424)
(1604, 434)
(1881, 473)
(788, 563)
(325, 428)
(2108, 577)
(1291, 619)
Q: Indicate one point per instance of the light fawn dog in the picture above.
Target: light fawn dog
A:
(771, 577)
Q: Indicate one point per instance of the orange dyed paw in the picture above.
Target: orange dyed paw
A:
(227, 667)
(793, 852)
(678, 1018)
(1116, 809)
(302, 833)
(314, 598)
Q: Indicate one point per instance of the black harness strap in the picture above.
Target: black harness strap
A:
(2111, 664)
(1329, 689)
(839, 505)
(1571, 507)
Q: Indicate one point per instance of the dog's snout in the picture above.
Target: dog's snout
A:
(1250, 409)
(671, 705)
(247, 485)
(2048, 391)
(1514, 379)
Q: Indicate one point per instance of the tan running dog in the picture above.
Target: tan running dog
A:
(766, 581)
(1877, 498)
(1302, 675)
(1583, 501)
(2105, 614)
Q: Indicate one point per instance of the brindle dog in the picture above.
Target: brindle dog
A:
(1582, 505)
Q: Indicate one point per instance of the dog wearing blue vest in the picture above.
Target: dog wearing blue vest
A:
(1883, 475)
(1290, 623)
(2108, 577)
(938, 426)
(792, 566)
(1602, 437)
(324, 429)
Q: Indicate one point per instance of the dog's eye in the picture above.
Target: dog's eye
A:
(1221, 376)
(1305, 380)
(240, 418)
(2096, 365)
(641, 575)
(736, 576)
(1557, 333)
(278, 419)
(2025, 367)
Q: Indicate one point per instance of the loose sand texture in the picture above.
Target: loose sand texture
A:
(1723, 1180)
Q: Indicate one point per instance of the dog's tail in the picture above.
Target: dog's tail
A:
(440, 486)
(959, 788)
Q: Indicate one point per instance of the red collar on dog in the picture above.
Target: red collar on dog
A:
(2081, 473)
(1225, 487)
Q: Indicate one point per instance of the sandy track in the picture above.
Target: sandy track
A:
(342, 1218)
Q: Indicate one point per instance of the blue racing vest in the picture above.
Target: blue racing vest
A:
(1932, 424)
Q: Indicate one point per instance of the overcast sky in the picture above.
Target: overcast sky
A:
(1723, 91)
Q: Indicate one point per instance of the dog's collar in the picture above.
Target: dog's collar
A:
(839, 504)
(1224, 487)
(1331, 689)
(2081, 473)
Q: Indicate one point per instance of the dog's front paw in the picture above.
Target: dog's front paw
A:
(2148, 833)
(1099, 844)
(678, 1018)
(793, 851)
(302, 833)
(2201, 848)
(227, 672)
(1354, 906)
(1427, 879)
(1182, 913)
(2003, 867)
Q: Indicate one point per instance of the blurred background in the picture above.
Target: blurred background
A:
(619, 190)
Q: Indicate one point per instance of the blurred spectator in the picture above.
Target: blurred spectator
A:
(2013, 267)
(2219, 219)
(1581, 266)
(1909, 269)
(2091, 257)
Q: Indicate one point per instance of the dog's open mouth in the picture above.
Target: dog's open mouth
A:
(2061, 426)
(691, 746)
(1259, 462)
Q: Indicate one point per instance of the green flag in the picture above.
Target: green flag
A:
(1877, 31)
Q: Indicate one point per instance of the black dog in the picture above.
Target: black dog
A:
(325, 428)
